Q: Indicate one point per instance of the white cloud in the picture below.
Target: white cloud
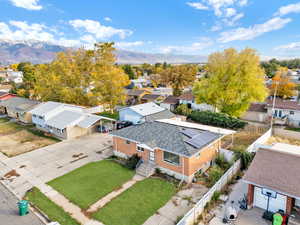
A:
(232, 21)
(216, 27)
(292, 8)
(188, 49)
(243, 2)
(98, 30)
(107, 19)
(23, 31)
(197, 5)
(229, 12)
(27, 4)
(294, 46)
(254, 31)
(129, 44)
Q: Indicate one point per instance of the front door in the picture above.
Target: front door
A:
(151, 156)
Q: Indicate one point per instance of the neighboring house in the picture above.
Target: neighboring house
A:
(275, 174)
(170, 103)
(144, 112)
(18, 108)
(63, 120)
(189, 99)
(134, 96)
(141, 82)
(177, 148)
(257, 112)
(152, 98)
(286, 112)
(12, 76)
(5, 96)
(162, 91)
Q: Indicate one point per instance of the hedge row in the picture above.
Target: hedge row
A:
(217, 119)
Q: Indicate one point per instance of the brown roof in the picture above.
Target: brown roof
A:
(275, 170)
(284, 104)
(258, 107)
(2, 93)
(150, 97)
(135, 92)
(171, 100)
(187, 96)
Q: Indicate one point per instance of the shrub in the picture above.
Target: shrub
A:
(216, 196)
(246, 158)
(183, 109)
(132, 161)
(222, 162)
(217, 119)
(214, 174)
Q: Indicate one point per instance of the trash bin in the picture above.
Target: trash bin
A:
(23, 207)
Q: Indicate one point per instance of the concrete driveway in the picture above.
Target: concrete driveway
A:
(9, 211)
(245, 217)
(53, 161)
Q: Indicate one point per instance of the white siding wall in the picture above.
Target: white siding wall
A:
(201, 107)
(130, 115)
(294, 119)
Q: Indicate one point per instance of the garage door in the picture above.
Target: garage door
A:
(276, 203)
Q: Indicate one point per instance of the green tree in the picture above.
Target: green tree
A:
(234, 81)
(129, 71)
(179, 77)
(82, 77)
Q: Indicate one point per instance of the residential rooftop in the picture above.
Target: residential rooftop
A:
(19, 104)
(276, 168)
(173, 138)
(284, 104)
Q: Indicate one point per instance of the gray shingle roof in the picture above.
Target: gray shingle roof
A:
(166, 114)
(19, 104)
(164, 136)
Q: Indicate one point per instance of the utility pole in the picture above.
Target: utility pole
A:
(274, 99)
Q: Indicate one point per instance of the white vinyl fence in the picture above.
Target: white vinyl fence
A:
(191, 217)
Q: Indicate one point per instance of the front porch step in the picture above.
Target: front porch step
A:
(146, 169)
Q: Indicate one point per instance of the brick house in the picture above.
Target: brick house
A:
(177, 148)
(275, 174)
(5, 95)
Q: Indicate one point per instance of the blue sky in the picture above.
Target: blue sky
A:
(158, 26)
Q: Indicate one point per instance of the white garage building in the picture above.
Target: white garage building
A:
(274, 177)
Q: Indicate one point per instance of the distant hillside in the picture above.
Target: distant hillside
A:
(42, 52)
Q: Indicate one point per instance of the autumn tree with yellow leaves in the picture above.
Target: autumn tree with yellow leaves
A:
(234, 80)
(83, 77)
(281, 82)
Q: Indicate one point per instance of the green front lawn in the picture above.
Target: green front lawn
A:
(137, 204)
(86, 185)
(53, 211)
(293, 129)
(114, 115)
(3, 120)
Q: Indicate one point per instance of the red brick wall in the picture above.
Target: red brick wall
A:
(250, 195)
(289, 205)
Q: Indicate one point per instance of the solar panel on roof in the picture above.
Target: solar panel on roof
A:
(190, 133)
(201, 139)
(193, 143)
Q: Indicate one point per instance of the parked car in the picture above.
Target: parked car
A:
(123, 124)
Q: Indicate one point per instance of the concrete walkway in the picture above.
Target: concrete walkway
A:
(68, 207)
(103, 201)
(34, 169)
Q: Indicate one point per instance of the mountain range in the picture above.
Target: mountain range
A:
(43, 52)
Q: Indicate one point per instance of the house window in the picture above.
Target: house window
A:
(127, 142)
(171, 158)
(292, 112)
(140, 149)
